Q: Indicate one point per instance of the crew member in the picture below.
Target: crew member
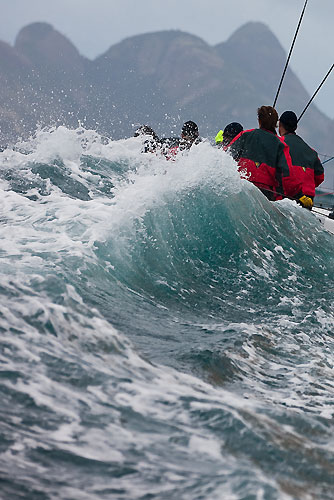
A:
(304, 159)
(189, 137)
(264, 159)
(224, 137)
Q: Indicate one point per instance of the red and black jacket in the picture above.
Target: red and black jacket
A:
(306, 163)
(264, 160)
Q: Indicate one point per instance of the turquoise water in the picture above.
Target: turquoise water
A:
(166, 332)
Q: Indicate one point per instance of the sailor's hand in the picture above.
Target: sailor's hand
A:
(306, 202)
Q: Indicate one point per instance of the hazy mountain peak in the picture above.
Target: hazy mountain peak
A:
(150, 47)
(252, 29)
(38, 31)
(46, 47)
(254, 40)
(259, 54)
(176, 62)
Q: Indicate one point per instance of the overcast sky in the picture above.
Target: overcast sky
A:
(94, 25)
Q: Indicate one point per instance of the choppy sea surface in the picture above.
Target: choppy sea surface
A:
(165, 331)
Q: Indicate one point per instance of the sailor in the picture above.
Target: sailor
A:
(189, 137)
(305, 160)
(264, 159)
(224, 137)
(168, 144)
(151, 140)
(230, 132)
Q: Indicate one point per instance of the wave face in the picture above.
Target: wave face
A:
(166, 332)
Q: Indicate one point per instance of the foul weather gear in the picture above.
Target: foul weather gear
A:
(150, 139)
(264, 160)
(185, 143)
(219, 137)
(305, 162)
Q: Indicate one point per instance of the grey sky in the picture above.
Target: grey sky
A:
(94, 25)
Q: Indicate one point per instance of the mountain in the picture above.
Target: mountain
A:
(45, 84)
(49, 51)
(161, 79)
(155, 77)
(13, 65)
(262, 59)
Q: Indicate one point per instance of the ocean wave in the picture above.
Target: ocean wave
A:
(166, 331)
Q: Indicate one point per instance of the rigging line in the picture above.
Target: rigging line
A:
(291, 49)
(329, 159)
(314, 206)
(324, 194)
(315, 93)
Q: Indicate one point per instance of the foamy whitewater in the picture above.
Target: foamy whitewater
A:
(166, 331)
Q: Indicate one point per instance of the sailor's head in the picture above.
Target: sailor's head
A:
(268, 118)
(232, 130)
(288, 121)
(189, 130)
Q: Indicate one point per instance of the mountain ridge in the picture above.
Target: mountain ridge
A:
(161, 78)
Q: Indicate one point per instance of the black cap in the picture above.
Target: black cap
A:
(190, 129)
(233, 129)
(289, 120)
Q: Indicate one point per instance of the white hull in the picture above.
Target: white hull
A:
(322, 215)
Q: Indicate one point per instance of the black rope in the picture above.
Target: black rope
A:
(330, 209)
(329, 159)
(315, 93)
(291, 49)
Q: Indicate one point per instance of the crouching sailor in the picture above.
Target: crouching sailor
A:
(189, 137)
(151, 141)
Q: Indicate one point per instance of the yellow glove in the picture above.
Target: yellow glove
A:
(306, 202)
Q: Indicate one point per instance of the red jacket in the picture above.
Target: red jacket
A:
(182, 145)
(265, 161)
(306, 163)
